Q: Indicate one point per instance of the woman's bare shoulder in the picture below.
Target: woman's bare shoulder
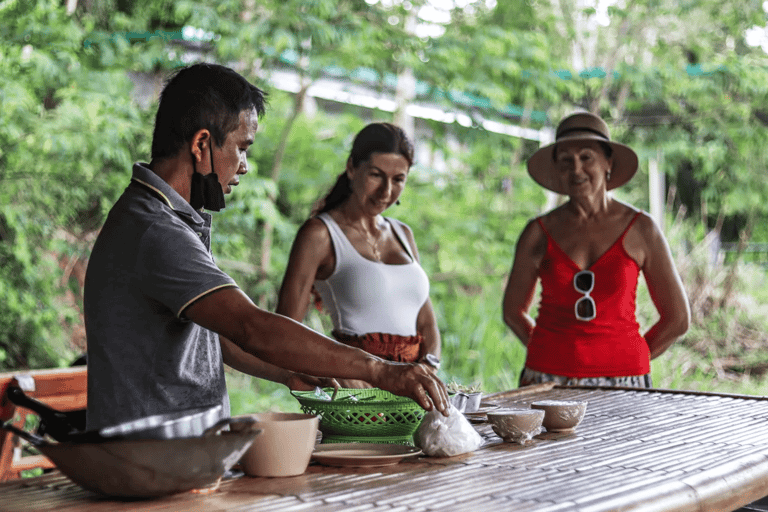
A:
(624, 213)
(313, 248)
(644, 225)
(533, 237)
(644, 238)
(313, 231)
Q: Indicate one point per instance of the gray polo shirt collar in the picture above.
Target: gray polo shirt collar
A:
(144, 176)
(198, 221)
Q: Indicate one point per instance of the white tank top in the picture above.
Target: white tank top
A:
(365, 296)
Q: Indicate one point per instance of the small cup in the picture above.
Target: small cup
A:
(516, 425)
(473, 402)
(285, 445)
(561, 415)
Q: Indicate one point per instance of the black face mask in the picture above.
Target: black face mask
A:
(206, 190)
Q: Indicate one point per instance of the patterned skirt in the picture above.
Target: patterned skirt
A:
(528, 377)
(404, 349)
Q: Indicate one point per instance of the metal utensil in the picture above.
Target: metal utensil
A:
(59, 425)
(70, 426)
(187, 423)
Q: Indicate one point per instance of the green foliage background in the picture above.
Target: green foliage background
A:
(72, 123)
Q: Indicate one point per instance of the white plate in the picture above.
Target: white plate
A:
(362, 454)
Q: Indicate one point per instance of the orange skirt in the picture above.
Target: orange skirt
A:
(403, 349)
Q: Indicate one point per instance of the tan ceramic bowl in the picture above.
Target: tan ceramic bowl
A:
(561, 415)
(516, 425)
(287, 441)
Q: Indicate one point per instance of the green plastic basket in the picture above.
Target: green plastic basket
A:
(377, 417)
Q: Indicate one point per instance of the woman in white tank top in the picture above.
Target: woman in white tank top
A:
(365, 266)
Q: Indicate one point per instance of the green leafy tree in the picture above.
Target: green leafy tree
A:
(69, 132)
(672, 79)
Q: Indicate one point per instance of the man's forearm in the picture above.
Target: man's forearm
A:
(242, 361)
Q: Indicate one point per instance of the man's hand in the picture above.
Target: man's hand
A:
(304, 382)
(413, 380)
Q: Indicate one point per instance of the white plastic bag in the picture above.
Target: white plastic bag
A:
(441, 436)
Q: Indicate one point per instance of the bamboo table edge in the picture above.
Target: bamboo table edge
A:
(731, 482)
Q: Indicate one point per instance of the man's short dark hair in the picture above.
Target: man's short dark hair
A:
(200, 96)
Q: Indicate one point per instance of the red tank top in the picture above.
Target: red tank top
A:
(610, 345)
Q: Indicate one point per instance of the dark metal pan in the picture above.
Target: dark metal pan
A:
(145, 468)
(70, 425)
(57, 424)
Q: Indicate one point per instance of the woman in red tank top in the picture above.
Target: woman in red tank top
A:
(588, 255)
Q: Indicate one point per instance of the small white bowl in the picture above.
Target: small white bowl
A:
(561, 415)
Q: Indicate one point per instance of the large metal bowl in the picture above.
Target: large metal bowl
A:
(70, 425)
(187, 423)
(146, 468)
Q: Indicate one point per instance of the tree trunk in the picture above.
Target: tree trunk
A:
(266, 241)
(609, 68)
(621, 101)
(525, 122)
(405, 90)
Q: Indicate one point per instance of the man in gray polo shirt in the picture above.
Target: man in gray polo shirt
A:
(160, 316)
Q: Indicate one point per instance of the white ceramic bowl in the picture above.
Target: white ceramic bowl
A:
(561, 415)
(286, 444)
(516, 425)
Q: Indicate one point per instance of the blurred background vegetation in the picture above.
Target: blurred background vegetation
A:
(684, 83)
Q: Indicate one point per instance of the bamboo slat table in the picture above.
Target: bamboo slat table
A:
(654, 450)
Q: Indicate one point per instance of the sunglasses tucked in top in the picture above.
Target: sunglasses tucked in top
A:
(584, 282)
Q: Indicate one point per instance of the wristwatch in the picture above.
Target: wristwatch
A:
(432, 360)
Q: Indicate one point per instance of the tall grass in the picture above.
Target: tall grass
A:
(478, 349)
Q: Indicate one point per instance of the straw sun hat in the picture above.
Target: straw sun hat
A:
(581, 126)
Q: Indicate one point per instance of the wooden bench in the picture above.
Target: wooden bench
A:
(64, 389)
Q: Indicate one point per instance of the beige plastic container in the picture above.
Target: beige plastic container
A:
(285, 444)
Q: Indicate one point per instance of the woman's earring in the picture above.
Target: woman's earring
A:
(608, 176)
